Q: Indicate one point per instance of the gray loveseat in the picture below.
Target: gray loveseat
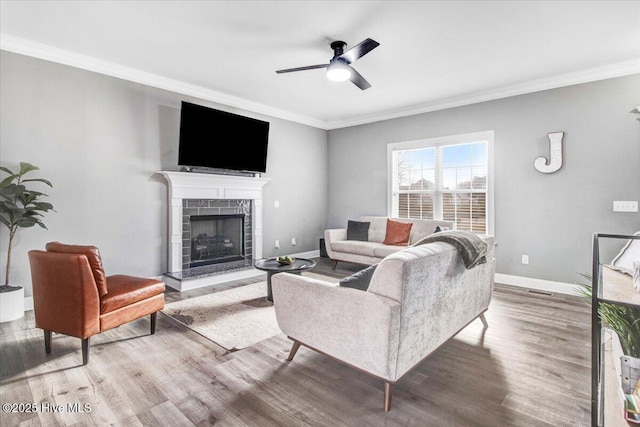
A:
(373, 250)
(417, 299)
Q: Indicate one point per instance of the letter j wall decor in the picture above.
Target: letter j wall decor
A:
(555, 154)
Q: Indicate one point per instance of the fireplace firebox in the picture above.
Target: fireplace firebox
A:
(216, 239)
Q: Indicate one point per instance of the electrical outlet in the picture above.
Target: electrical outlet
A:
(293, 241)
(625, 206)
(276, 204)
(525, 259)
(277, 244)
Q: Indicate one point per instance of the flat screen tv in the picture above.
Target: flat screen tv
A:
(217, 139)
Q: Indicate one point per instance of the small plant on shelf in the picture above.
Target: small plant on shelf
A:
(20, 207)
(623, 320)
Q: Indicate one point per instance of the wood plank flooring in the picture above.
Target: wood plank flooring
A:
(531, 367)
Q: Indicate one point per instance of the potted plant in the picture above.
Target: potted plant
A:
(624, 322)
(20, 207)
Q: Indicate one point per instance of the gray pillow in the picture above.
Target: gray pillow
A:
(358, 230)
(359, 280)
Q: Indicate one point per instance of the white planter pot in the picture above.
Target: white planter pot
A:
(628, 368)
(11, 305)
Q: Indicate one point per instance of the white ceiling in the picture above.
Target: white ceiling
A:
(432, 54)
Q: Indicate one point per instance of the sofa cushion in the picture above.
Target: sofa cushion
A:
(126, 290)
(355, 247)
(398, 232)
(377, 227)
(93, 255)
(358, 230)
(623, 262)
(382, 251)
(359, 280)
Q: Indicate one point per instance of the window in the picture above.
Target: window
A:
(448, 178)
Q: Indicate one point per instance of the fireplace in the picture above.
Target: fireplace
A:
(216, 238)
(217, 232)
(194, 195)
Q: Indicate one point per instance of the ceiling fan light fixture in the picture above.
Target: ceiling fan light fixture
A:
(338, 71)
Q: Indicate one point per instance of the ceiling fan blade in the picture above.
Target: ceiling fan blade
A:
(357, 79)
(310, 67)
(359, 50)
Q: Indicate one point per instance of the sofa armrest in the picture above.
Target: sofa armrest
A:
(333, 235)
(357, 327)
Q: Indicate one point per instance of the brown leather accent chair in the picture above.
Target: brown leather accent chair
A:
(73, 296)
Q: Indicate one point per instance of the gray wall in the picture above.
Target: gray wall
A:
(549, 217)
(100, 141)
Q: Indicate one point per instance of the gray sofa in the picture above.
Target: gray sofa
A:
(373, 250)
(417, 299)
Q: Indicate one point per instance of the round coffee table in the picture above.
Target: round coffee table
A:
(271, 266)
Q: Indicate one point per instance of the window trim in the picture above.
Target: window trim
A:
(465, 138)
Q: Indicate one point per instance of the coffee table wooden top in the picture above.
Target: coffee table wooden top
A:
(271, 265)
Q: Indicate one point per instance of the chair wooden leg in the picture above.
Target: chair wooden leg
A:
(484, 321)
(85, 351)
(388, 389)
(47, 342)
(294, 350)
(154, 316)
(335, 264)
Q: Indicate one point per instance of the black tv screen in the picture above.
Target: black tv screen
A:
(220, 140)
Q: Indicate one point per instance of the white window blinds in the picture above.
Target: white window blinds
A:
(442, 181)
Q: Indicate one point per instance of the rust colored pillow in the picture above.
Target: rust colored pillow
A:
(398, 233)
(92, 254)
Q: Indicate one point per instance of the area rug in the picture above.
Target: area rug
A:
(235, 318)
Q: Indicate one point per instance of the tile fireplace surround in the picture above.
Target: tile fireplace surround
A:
(189, 185)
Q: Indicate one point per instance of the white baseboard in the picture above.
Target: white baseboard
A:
(309, 254)
(537, 284)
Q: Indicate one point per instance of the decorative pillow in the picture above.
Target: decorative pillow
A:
(623, 262)
(92, 254)
(359, 280)
(398, 233)
(358, 230)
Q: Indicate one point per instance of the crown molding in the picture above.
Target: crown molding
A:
(561, 80)
(66, 57)
(62, 56)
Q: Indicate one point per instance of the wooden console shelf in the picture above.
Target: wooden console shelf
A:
(608, 286)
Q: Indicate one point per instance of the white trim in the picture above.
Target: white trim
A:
(610, 71)
(66, 57)
(189, 185)
(537, 284)
(187, 285)
(215, 279)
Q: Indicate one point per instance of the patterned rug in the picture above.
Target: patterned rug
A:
(235, 318)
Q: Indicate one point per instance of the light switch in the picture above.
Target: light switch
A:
(276, 204)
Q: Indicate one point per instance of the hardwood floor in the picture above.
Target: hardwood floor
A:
(531, 367)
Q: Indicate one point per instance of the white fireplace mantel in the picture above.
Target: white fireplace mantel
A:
(189, 185)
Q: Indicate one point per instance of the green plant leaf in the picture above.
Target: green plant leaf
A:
(7, 170)
(8, 180)
(27, 167)
(42, 206)
(27, 222)
(46, 181)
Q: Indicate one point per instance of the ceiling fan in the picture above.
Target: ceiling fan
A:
(339, 67)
